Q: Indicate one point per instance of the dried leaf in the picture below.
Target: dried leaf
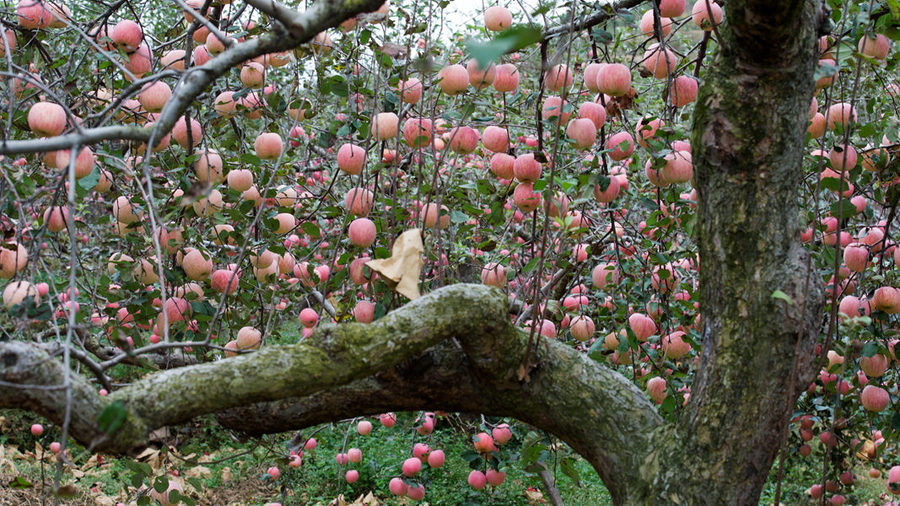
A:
(402, 270)
(227, 475)
(147, 454)
(534, 496)
(198, 472)
(91, 463)
(338, 501)
(102, 500)
(152, 457)
(393, 50)
(160, 435)
(367, 500)
(67, 491)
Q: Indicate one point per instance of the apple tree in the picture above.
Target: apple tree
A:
(660, 231)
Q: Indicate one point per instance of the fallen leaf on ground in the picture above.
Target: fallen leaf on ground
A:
(198, 472)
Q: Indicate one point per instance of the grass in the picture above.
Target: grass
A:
(232, 471)
(222, 468)
(802, 472)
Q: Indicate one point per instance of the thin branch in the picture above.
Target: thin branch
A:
(303, 27)
(605, 13)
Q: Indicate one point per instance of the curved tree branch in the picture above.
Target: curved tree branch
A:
(607, 420)
(406, 360)
(336, 355)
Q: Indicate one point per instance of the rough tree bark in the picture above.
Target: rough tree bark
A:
(355, 369)
(758, 351)
(455, 349)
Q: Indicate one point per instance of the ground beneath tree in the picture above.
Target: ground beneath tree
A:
(244, 491)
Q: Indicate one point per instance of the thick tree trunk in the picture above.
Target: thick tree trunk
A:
(758, 351)
(456, 348)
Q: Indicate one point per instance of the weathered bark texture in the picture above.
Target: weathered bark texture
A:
(598, 412)
(453, 349)
(32, 380)
(758, 351)
(337, 355)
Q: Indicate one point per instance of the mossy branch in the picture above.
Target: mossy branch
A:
(453, 349)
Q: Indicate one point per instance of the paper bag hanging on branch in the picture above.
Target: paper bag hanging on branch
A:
(402, 270)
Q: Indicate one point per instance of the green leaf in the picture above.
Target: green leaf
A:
(843, 209)
(112, 417)
(778, 294)
(595, 351)
(311, 229)
(251, 159)
(19, 482)
(867, 130)
(825, 70)
(870, 349)
(336, 85)
(140, 468)
(506, 41)
(894, 6)
(470, 456)
(568, 468)
(834, 184)
(276, 102)
(531, 454)
(624, 344)
(203, 307)
(457, 217)
(380, 310)
(271, 223)
(176, 497)
(626, 15)
(419, 28)
(668, 405)
(161, 484)
(542, 9)
(91, 180)
(892, 33)
(196, 483)
(601, 36)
